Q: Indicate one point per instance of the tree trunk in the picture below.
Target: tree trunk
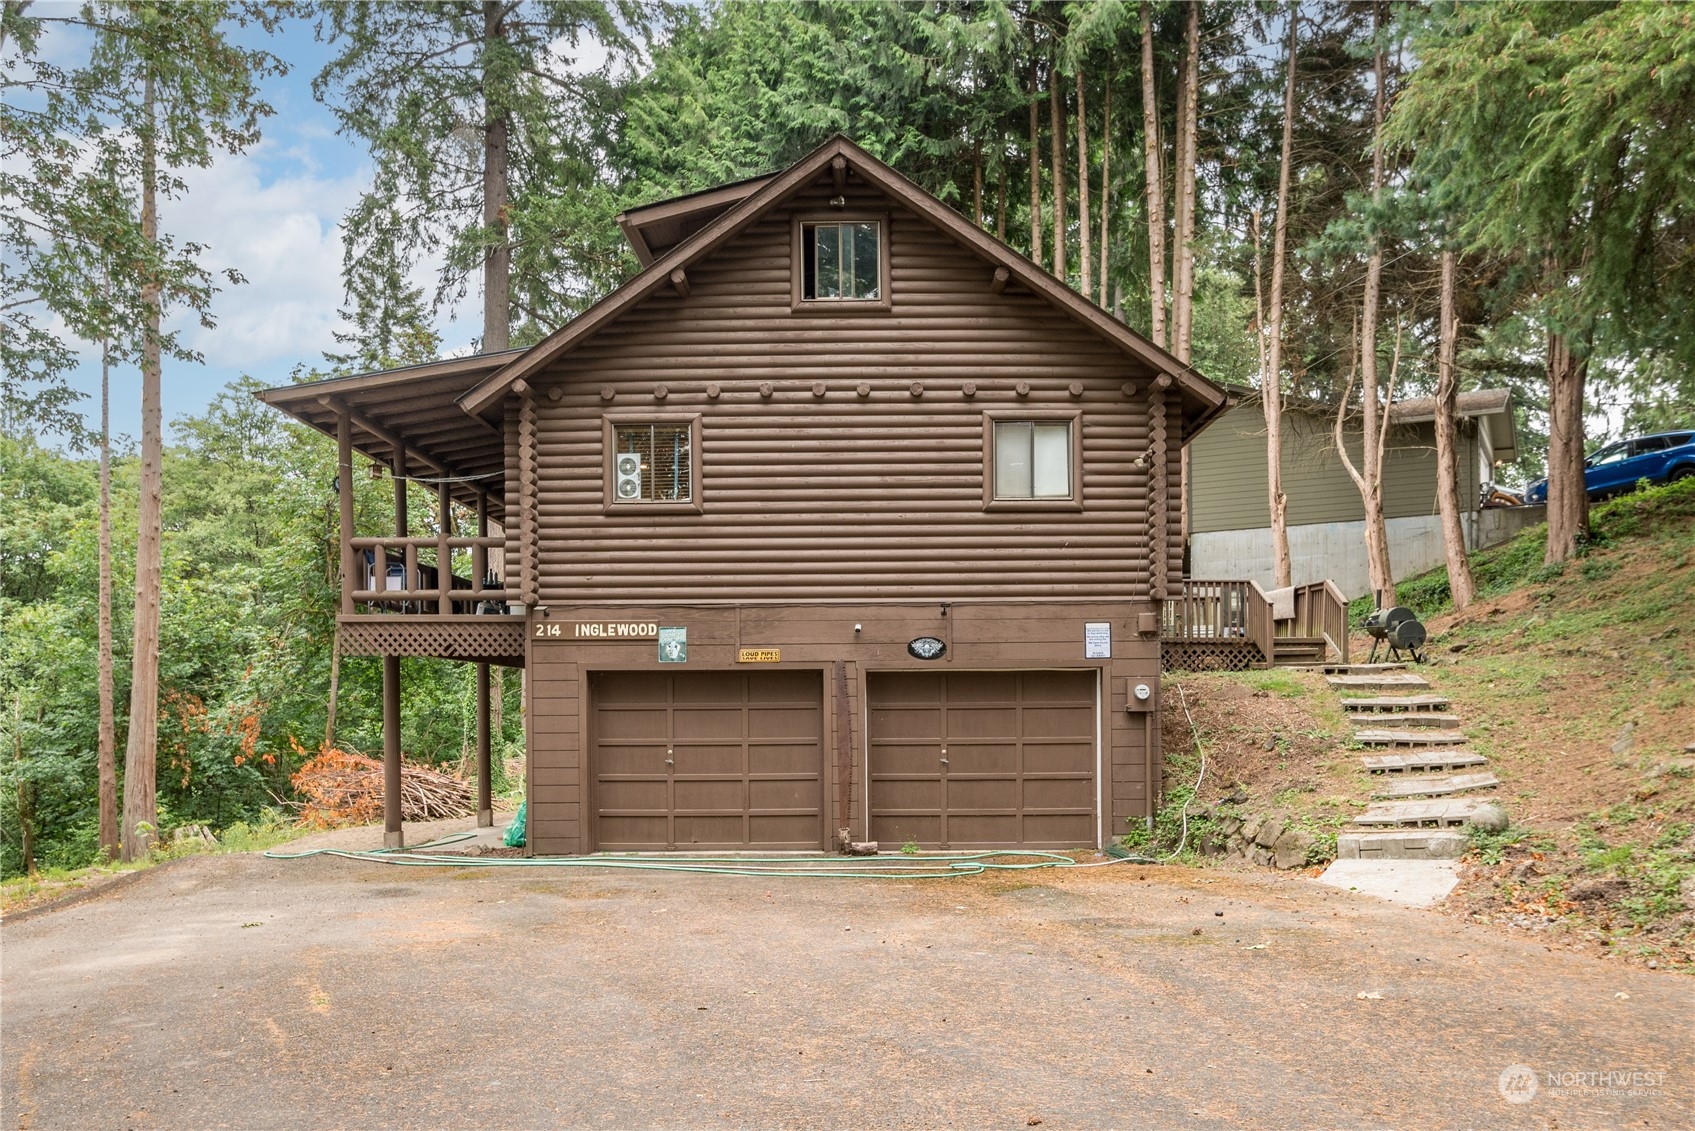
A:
(1155, 180)
(1374, 426)
(1568, 499)
(1271, 377)
(1184, 270)
(1086, 277)
(107, 769)
(141, 813)
(1056, 151)
(335, 690)
(497, 268)
(1000, 186)
(1106, 185)
(1447, 437)
(497, 709)
(977, 185)
(1035, 172)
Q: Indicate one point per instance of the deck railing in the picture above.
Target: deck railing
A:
(1219, 612)
(392, 573)
(1320, 611)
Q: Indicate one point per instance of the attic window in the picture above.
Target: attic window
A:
(842, 262)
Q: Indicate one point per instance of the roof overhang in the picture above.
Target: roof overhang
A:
(416, 410)
(1203, 400)
(654, 229)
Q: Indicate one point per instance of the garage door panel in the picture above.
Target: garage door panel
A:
(693, 759)
(781, 793)
(1059, 722)
(984, 830)
(1017, 745)
(709, 830)
(783, 722)
(783, 758)
(623, 794)
(909, 723)
(895, 829)
(618, 831)
(982, 793)
(1059, 793)
(979, 757)
(981, 722)
(1059, 757)
(983, 687)
(745, 754)
(631, 724)
(709, 794)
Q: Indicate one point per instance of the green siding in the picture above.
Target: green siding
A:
(1228, 482)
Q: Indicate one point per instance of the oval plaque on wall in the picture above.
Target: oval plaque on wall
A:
(927, 648)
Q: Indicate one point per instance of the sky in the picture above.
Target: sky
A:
(273, 213)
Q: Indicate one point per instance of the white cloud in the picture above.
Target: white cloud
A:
(284, 236)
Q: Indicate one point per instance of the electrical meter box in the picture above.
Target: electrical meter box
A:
(1141, 695)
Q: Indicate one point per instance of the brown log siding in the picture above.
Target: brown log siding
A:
(842, 496)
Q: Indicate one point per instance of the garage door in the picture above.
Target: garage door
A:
(707, 760)
(982, 759)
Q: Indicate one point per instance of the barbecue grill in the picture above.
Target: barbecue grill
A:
(1397, 628)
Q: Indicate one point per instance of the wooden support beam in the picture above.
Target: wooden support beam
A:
(838, 172)
(680, 281)
(397, 443)
(344, 498)
(393, 835)
(999, 280)
(485, 751)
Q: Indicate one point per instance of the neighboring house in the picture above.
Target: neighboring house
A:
(840, 515)
(1230, 515)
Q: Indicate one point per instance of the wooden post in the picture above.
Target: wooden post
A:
(409, 564)
(344, 495)
(444, 555)
(393, 836)
(485, 751)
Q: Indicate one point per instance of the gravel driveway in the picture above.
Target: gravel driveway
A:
(248, 993)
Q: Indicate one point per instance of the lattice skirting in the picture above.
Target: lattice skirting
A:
(477, 639)
(1209, 656)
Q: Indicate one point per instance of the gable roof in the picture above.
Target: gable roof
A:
(1208, 398)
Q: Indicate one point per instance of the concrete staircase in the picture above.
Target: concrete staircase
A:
(1429, 780)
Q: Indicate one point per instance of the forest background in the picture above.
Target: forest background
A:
(1136, 150)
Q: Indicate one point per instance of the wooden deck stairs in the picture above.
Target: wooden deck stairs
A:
(1235, 626)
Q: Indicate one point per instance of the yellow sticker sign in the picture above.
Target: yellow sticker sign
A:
(759, 656)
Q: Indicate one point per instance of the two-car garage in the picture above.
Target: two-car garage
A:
(736, 760)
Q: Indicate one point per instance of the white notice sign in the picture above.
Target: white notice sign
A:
(1097, 640)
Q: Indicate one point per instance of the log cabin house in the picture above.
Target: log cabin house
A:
(841, 519)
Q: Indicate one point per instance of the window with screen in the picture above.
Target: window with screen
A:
(841, 261)
(653, 463)
(1032, 459)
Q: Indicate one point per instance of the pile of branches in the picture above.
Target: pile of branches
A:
(342, 788)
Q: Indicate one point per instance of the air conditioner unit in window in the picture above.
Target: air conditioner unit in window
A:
(627, 471)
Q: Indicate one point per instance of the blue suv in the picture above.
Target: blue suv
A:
(1616, 468)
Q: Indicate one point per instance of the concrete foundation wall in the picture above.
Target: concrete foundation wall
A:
(1336, 550)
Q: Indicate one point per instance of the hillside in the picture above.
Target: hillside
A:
(1576, 682)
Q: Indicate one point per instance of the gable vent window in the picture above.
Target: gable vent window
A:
(1033, 459)
(653, 463)
(841, 262)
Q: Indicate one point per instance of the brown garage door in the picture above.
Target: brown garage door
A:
(707, 760)
(982, 759)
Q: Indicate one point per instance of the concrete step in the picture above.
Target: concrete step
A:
(1409, 736)
(1403, 719)
(1421, 813)
(1422, 761)
(1367, 680)
(1389, 704)
(1436, 787)
(1345, 669)
(1401, 844)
